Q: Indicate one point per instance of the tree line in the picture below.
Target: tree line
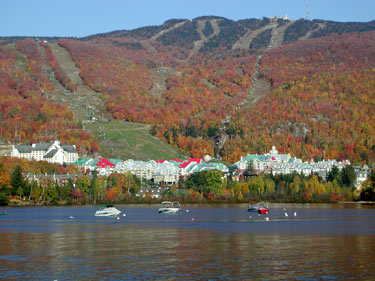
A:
(207, 186)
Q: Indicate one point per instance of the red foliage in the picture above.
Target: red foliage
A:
(29, 48)
(26, 116)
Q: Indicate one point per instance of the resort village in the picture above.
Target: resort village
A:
(169, 172)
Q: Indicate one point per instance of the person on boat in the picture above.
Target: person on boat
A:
(4, 211)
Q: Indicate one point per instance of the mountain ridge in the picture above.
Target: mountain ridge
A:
(221, 87)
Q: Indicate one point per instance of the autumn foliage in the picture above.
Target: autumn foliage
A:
(197, 96)
(322, 100)
(29, 48)
(26, 115)
(59, 73)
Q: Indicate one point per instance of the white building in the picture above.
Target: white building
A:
(51, 152)
(151, 170)
(362, 175)
(278, 164)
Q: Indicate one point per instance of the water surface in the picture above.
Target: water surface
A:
(204, 242)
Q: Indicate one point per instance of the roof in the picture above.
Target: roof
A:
(50, 154)
(69, 148)
(185, 164)
(81, 162)
(177, 160)
(175, 163)
(92, 162)
(23, 148)
(104, 163)
(115, 161)
(41, 146)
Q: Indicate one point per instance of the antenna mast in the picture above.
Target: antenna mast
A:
(307, 10)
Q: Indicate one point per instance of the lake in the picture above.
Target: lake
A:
(204, 242)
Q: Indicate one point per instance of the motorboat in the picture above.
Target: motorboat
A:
(260, 207)
(107, 210)
(169, 208)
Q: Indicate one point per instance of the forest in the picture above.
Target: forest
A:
(319, 106)
(26, 115)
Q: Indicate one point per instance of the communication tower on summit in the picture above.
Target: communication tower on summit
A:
(307, 11)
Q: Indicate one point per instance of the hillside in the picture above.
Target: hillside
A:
(216, 86)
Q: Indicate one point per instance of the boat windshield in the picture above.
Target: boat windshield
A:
(176, 205)
(258, 204)
(105, 206)
(166, 204)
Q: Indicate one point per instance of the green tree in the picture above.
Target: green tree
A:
(65, 192)
(368, 188)
(131, 184)
(36, 191)
(17, 180)
(348, 176)
(256, 185)
(83, 184)
(214, 182)
(269, 186)
(93, 184)
(296, 185)
(100, 190)
(112, 180)
(196, 181)
(334, 174)
(4, 200)
(51, 194)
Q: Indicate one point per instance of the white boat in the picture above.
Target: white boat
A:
(169, 208)
(107, 210)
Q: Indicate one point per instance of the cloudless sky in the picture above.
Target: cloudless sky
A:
(79, 18)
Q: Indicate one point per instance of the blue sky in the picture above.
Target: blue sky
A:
(85, 17)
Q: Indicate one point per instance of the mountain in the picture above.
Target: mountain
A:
(216, 86)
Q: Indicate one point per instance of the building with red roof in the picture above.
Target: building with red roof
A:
(184, 166)
(104, 164)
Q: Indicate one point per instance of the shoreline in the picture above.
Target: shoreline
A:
(29, 204)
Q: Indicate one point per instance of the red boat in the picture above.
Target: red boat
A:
(263, 211)
(261, 208)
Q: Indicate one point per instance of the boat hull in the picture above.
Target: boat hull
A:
(263, 211)
(108, 212)
(169, 210)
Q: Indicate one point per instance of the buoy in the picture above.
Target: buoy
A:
(267, 218)
(295, 214)
(286, 214)
(71, 217)
(192, 219)
(284, 209)
(250, 217)
(118, 218)
(124, 215)
(187, 211)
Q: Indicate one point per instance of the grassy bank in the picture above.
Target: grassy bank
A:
(120, 139)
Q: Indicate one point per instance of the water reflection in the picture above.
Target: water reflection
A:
(221, 244)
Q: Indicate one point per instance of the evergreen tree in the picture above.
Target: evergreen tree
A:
(348, 176)
(334, 174)
(4, 200)
(17, 181)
